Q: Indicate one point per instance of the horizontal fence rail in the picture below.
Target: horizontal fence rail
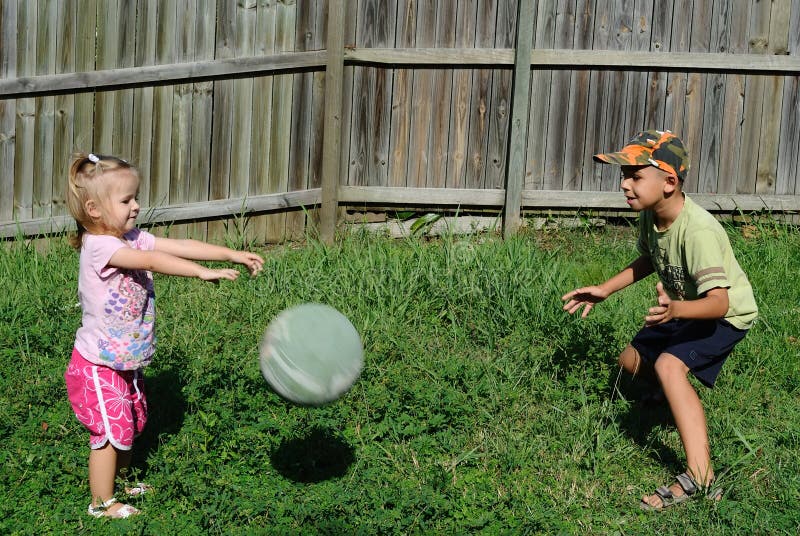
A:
(186, 212)
(413, 57)
(367, 197)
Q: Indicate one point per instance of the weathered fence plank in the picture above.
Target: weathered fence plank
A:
(442, 84)
(241, 148)
(732, 117)
(769, 141)
(199, 161)
(123, 103)
(541, 93)
(108, 28)
(142, 128)
(788, 179)
(560, 98)
(372, 93)
(596, 139)
(660, 42)
(25, 146)
(714, 100)
(64, 126)
(615, 109)
(421, 100)
(675, 106)
(302, 94)
(693, 126)
(280, 128)
(45, 112)
(480, 100)
(223, 123)
(641, 39)
(754, 101)
(317, 126)
(8, 107)
(182, 132)
(458, 129)
(500, 105)
(576, 127)
(262, 118)
(400, 125)
(161, 152)
(348, 75)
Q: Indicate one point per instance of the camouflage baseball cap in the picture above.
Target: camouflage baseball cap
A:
(661, 149)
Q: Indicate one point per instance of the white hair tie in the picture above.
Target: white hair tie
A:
(93, 158)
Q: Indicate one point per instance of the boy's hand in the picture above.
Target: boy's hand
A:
(661, 313)
(585, 297)
(252, 261)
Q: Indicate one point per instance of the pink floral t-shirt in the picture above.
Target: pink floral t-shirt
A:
(118, 305)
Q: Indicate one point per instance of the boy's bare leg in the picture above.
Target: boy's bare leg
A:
(630, 360)
(641, 371)
(690, 419)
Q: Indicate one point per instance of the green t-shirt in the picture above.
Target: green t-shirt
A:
(694, 256)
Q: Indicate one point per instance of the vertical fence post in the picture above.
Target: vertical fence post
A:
(520, 104)
(332, 135)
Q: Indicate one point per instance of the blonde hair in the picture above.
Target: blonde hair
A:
(85, 183)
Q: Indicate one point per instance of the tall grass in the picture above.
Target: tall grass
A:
(482, 408)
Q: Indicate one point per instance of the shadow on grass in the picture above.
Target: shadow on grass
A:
(166, 408)
(642, 417)
(589, 350)
(317, 456)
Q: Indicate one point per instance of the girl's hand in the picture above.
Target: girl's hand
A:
(252, 261)
(585, 297)
(208, 274)
(663, 311)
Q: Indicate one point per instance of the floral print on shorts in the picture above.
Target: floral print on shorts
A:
(110, 403)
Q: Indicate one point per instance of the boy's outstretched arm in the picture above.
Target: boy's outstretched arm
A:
(201, 251)
(587, 297)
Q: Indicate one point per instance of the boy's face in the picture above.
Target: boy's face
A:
(645, 186)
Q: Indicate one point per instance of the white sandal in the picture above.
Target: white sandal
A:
(138, 489)
(125, 511)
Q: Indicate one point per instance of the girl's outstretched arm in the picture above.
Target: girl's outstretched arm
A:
(202, 251)
(165, 263)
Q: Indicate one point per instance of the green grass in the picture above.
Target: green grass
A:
(482, 408)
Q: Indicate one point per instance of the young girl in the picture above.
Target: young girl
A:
(116, 338)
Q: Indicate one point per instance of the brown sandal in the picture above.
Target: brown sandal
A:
(690, 488)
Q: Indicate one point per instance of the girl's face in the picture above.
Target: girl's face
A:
(117, 212)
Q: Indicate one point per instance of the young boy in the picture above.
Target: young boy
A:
(705, 302)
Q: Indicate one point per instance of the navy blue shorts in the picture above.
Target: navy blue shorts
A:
(703, 345)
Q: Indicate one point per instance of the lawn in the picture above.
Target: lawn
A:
(483, 408)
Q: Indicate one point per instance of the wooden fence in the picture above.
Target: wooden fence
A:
(253, 107)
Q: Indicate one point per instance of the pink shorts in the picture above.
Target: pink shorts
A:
(110, 403)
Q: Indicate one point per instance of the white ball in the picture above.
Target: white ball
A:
(311, 354)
